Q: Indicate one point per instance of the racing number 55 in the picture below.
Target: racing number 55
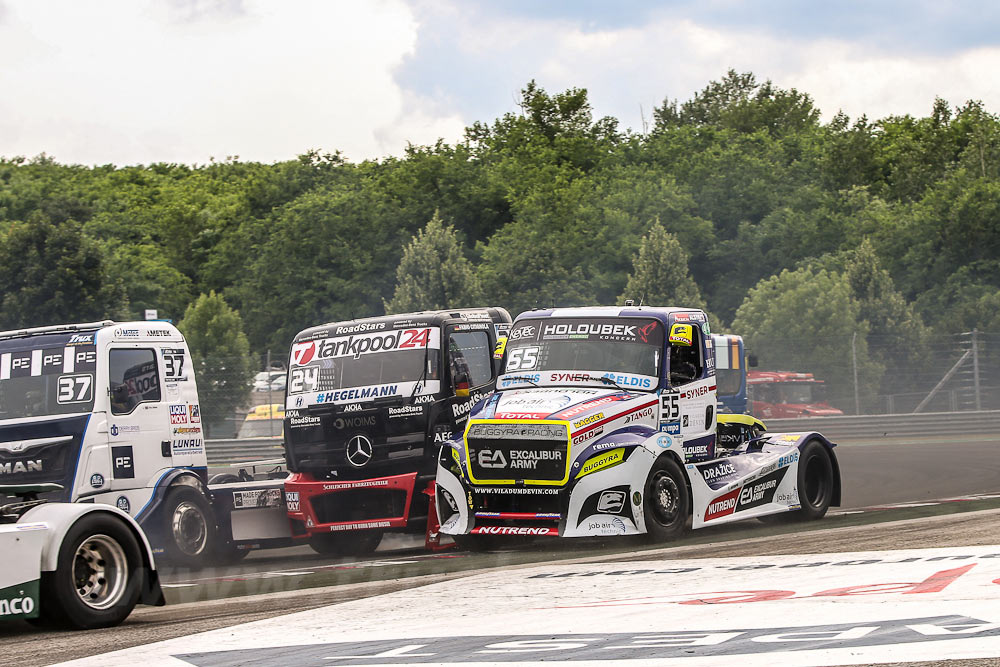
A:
(522, 358)
(670, 409)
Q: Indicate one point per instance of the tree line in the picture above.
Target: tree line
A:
(871, 234)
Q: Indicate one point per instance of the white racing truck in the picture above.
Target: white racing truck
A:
(70, 564)
(108, 413)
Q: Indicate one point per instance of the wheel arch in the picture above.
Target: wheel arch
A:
(61, 517)
(678, 459)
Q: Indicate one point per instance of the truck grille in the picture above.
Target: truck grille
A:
(509, 451)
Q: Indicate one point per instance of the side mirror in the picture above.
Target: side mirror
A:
(752, 360)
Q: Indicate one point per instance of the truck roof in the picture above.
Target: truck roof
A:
(123, 330)
(659, 312)
(425, 318)
(758, 377)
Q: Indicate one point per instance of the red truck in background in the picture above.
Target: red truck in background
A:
(787, 395)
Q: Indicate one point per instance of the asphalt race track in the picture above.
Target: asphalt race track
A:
(876, 475)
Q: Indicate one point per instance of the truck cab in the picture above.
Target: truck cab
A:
(788, 395)
(108, 412)
(368, 403)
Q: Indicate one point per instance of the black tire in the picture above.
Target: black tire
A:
(665, 504)
(347, 543)
(98, 575)
(223, 478)
(815, 482)
(190, 535)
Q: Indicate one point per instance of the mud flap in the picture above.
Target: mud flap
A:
(432, 536)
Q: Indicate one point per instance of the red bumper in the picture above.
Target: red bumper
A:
(324, 506)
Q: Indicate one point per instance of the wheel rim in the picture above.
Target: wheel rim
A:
(189, 528)
(100, 572)
(815, 481)
(665, 498)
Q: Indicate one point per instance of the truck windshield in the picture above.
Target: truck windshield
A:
(796, 392)
(624, 351)
(47, 375)
(392, 359)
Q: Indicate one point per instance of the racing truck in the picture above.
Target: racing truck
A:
(78, 566)
(605, 422)
(107, 413)
(788, 395)
(368, 404)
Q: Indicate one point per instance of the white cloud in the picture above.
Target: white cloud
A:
(127, 82)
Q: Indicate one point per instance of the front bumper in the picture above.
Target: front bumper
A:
(380, 503)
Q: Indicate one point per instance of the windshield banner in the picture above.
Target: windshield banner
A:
(356, 345)
(593, 329)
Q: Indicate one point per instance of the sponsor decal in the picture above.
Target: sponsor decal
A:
(513, 530)
(257, 498)
(406, 411)
(588, 420)
(341, 423)
(158, 333)
(695, 392)
(97, 480)
(353, 407)
(588, 330)
(589, 435)
(19, 601)
(527, 431)
(186, 430)
(292, 501)
(195, 413)
(178, 414)
(788, 459)
(123, 504)
(638, 415)
(671, 428)
(442, 436)
(521, 378)
(664, 441)
(760, 492)
(646, 332)
(122, 332)
(606, 460)
(569, 413)
(613, 526)
(354, 346)
(462, 409)
(187, 446)
(357, 393)
(518, 490)
(787, 498)
(365, 525)
(305, 420)
(81, 339)
(722, 506)
(611, 502)
(358, 328)
(718, 474)
(523, 331)
(695, 451)
(521, 415)
(636, 498)
(123, 465)
(516, 459)
(427, 398)
(361, 484)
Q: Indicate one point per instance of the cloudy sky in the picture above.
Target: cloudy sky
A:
(140, 81)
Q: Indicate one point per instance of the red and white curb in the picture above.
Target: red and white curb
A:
(821, 609)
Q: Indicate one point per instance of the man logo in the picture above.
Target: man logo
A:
(359, 451)
(491, 459)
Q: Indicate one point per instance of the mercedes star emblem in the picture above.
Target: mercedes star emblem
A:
(359, 451)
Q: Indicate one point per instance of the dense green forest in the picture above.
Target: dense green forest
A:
(741, 199)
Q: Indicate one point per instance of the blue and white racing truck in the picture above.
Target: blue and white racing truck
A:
(605, 422)
(108, 413)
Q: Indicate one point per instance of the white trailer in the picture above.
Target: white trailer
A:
(72, 565)
(109, 413)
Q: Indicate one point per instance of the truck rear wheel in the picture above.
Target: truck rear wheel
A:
(98, 575)
(815, 481)
(189, 527)
(347, 543)
(665, 505)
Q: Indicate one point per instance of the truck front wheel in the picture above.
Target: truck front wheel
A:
(353, 543)
(97, 580)
(189, 527)
(665, 503)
